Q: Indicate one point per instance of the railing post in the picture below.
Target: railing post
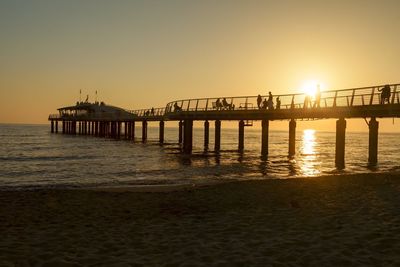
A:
(352, 97)
(188, 106)
(334, 100)
(207, 104)
(371, 100)
(197, 104)
(292, 104)
(394, 94)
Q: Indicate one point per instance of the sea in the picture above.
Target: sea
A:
(31, 157)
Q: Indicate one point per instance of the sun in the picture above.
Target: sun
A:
(310, 87)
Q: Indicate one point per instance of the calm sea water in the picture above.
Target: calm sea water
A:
(32, 157)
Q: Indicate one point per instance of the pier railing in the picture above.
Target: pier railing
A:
(152, 112)
(328, 99)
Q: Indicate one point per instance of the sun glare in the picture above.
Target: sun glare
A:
(310, 87)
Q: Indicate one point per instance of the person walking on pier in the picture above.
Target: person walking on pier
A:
(259, 100)
(278, 103)
(385, 95)
(270, 97)
(177, 107)
(218, 104)
(270, 103)
(307, 102)
(265, 104)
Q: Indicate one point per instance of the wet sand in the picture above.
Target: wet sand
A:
(332, 221)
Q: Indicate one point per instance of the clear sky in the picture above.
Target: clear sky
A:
(140, 54)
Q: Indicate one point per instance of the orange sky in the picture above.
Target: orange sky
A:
(140, 54)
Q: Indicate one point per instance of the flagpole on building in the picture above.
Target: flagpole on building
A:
(96, 95)
(80, 95)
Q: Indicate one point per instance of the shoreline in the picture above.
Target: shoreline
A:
(332, 220)
(172, 187)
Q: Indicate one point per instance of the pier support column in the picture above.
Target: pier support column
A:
(126, 130)
(144, 131)
(373, 142)
(241, 136)
(133, 131)
(88, 128)
(74, 127)
(206, 134)
(129, 133)
(101, 129)
(96, 128)
(52, 126)
(187, 136)
(217, 145)
(180, 132)
(161, 133)
(340, 143)
(119, 126)
(264, 137)
(56, 126)
(292, 138)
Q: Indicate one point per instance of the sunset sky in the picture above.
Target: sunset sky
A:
(139, 54)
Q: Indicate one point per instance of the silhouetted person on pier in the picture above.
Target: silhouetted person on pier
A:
(270, 97)
(270, 103)
(218, 104)
(225, 104)
(176, 107)
(317, 98)
(259, 100)
(278, 103)
(152, 111)
(265, 104)
(385, 94)
(307, 101)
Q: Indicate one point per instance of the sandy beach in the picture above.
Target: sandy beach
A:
(332, 221)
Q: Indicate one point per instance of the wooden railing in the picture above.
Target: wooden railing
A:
(328, 99)
(362, 96)
(149, 112)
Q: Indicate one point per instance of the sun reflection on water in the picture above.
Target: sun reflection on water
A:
(309, 162)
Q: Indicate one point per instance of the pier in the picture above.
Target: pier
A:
(370, 103)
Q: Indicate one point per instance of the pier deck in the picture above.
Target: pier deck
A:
(366, 102)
